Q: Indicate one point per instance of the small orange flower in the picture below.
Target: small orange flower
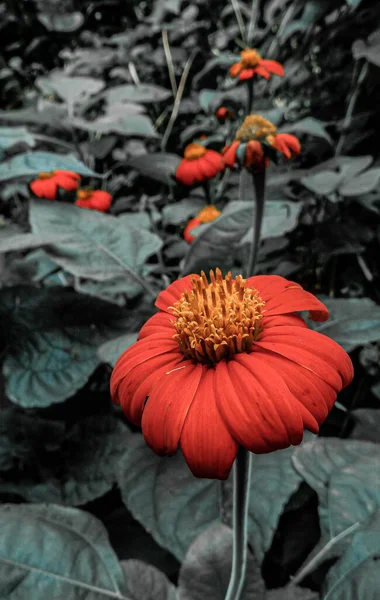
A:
(94, 200)
(198, 165)
(206, 215)
(47, 184)
(251, 64)
(222, 114)
(255, 137)
(229, 363)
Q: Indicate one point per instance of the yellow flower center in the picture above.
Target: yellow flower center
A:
(217, 320)
(84, 194)
(255, 127)
(250, 58)
(45, 175)
(194, 151)
(208, 214)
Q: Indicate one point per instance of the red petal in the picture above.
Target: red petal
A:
(191, 225)
(273, 67)
(314, 393)
(317, 344)
(187, 171)
(100, 200)
(296, 300)
(261, 70)
(65, 181)
(210, 165)
(159, 323)
(235, 69)
(280, 320)
(270, 285)
(173, 292)
(68, 174)
(287, 144)
(229, 154)
(247, 74)
(168, 405)
(44, 188)
(249, 412)
(208, 446)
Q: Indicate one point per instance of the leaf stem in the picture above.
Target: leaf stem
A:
(257, 219)
(241, 489)
(249, 96)
(357, 80)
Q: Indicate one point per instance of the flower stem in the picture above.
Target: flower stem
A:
(356, 85)
(241, 489)
(257, 219)
(206, 187)
(249, 96)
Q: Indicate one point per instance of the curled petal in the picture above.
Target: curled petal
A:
(272, 66)
(247, 74)
(254, 154)
(207, 445)
(287, 144)
(66, 181)
(262, 71)
(296, 299)
(173, 292)
(229, 154)
(191, 225)
(235, 69)
(186, 172)
(44, 188)
(209, 165)
(269, 286)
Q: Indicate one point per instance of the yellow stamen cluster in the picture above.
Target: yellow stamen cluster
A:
(84, 194)
(217, 320)
(208, 214)
(255, 127)
(250, 58)
(194, 151)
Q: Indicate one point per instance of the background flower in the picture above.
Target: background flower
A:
(251, 64)
(47, 184)
(199, 164)
(206, 215)
(94, 200)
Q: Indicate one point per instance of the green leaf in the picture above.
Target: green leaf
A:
(142, 93)
(111, 350)
(71, 89)
(357, 575)
(367, 424)
(102, 247)
(39, 550)
(206, 98)
(135, 125)
(52, 115)
(218, 239)
(10, 241)
(310, 126)
(66, 22)
(176, 507)
(160, 166)
(206, 570)
(181, 211)
(145, 582)
(293, 592)
(221, 63)
(369, 49)
(9, 136)
(33, 163)
(326, 177)
(362, 184)
(35, 452)
(353, 321)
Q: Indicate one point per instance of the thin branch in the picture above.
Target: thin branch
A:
(169, 61)
(178, 98)
(253, 21)
(133, 73)
(357, 82)
(290, 12)
(239, 19)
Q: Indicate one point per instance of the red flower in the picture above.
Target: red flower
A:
(222, 114)
(47, 184)
(198, 165)
(94, 200)
(252, 64)
(206, 215)
(252, 139)
(228, 363)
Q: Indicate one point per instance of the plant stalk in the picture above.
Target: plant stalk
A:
(356, 86)
(241, 489)
(257, 219)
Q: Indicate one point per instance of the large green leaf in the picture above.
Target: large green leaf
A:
(144, 93)
(40, 462)
(36, 162)
(310, 126)
(206, 570)
(13, 135)
(40, 546)
(216, 241)
(145, 582)
(69, 88)
(10, 241)
(176, 507)
(102, 247)
(160, 166)
(135, 125)
(353, 321)
(356, 576)
(51, 114)
(110, 351)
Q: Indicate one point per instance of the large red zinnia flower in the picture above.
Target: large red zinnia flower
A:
(227, 363)
(255, 137)
(47, 184)
(198, 165)
(251, 64)
(94, 200)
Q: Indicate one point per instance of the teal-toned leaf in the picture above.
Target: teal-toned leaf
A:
(206, 570)
(51, 367)
(115, 290)
(34, 452)
(326, 177)
(145, 582)
(40, 267)
(14, 135)
(66, 22)
(293, 592)
(69, 88)
(144, 93)
(164, 496)
(39, 549)
(10, 242)
(310, 126)
(101, 248)
(52, 115)
(181, 211)
(110, 351)
(362, 184)
(160, 166)
(206, 98)
(35, 162)
(357, 575)
(370, 50)
(367, 425)
(134, 125)
(217, 240)
(221, 62)
(323, 183)
(353, 321)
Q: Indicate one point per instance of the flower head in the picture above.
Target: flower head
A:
(223, 114)
(251, 64)
(206, 215)
(227, 362)
(255, 138)
(47, 184)
(198, 165)
(94, 200)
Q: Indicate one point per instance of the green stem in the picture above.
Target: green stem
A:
(357, 82)
(241, 489)
(206, 187)
(249, 96)
(257, 219)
